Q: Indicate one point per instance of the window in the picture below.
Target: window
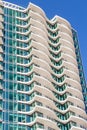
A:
(11, 117)
(10, 106)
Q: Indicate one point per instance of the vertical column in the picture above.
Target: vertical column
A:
(1, 61)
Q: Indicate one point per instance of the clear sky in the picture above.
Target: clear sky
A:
(75, 11)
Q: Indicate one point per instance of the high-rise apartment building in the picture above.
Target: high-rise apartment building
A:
(41, 75)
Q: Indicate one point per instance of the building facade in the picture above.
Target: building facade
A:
(80, 67)
(40, 76)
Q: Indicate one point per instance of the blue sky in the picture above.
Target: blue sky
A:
(75, 11)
